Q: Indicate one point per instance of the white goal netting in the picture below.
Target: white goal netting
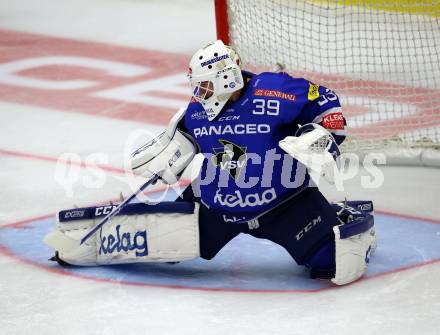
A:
(381, 58)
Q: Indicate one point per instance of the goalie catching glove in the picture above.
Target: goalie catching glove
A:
(167, 155)
(315, 147)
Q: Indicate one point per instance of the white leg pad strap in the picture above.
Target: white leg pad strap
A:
(141, 233)
(355, 242)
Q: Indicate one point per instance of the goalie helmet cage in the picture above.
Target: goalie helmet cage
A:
(380, 56)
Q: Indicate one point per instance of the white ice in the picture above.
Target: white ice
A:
(34, 301)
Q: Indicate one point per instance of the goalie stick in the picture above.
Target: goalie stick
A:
(119, 208)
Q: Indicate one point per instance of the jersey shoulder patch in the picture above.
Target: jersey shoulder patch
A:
(313, 93)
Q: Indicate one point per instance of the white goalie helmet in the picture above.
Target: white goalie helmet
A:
(215, 74)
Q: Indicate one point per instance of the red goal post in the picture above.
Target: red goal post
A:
(382, 57)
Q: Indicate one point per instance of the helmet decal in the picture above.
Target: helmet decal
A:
(214, 76)
(214, 60)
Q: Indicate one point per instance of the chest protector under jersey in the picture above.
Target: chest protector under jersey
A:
(245, 172)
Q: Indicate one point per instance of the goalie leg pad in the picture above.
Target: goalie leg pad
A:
(164, 232)
(354, 243)
(345, 259)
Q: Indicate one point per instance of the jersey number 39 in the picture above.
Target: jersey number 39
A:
(268, 107)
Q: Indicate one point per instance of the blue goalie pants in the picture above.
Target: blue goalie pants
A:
(302, 225)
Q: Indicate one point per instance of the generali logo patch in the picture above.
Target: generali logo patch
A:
(274, 93)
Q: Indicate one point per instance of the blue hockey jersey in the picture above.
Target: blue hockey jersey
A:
(245, 172)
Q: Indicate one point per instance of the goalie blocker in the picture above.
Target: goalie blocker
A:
(167, 155)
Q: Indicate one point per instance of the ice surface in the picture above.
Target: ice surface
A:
(46, 300)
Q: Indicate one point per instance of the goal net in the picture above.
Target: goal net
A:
(380, 56)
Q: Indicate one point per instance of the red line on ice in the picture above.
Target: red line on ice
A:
(61, 271)
(408, 216)
(27, 155)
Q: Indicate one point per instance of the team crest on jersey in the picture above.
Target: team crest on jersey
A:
(230, 157)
